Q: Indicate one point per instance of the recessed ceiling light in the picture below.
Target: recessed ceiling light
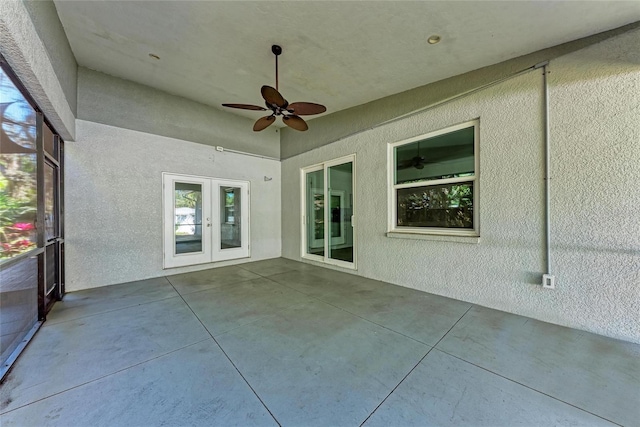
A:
(433, 39)
(154, 56)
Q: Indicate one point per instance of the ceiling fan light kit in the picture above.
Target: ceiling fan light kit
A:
(279, 106)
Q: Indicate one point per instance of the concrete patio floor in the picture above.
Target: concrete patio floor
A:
(279, 342)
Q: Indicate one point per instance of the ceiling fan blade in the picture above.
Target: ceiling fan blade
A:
(263, 123)
(245, 107)
(273, 97)
(306, 108)
(295, 122)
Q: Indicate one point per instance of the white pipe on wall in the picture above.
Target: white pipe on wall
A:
(547, 177)
(439, 103)
(244, 153)
(548, 280)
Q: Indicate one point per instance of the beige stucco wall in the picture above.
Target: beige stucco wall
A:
(113, 202)
(595, 211)
(125, 104)
(595, 135)
(29, 58)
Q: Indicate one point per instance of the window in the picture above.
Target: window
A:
(434, 188)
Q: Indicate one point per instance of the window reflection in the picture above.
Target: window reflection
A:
(315, 212)
(17, 171)
(188, 217)
(444, 156)
(340, 190)
(230, 214)
(446, 205)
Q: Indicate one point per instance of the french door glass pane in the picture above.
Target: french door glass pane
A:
(230, 217)
(187, 217)
(315, 212)
(340, 211)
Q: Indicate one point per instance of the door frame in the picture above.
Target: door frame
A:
(168, 209)
(211, 234)
(304, 232)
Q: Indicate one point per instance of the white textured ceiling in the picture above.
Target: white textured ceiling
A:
(339, 54)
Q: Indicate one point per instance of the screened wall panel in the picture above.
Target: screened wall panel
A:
(30, 220)
(18, 303)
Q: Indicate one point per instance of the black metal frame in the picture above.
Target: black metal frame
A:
(41, 157)
(40, 228)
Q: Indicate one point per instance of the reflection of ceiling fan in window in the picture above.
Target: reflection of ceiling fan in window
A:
(436, 155)
(8, 144)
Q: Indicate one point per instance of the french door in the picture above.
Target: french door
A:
(328, 212)
(205, 219)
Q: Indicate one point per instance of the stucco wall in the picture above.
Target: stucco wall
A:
(112, 101)
(595, 138)
(29, 58)
(113, 202)
(332, 127)
(45, 20)
(113, 174)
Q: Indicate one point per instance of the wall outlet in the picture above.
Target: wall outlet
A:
(548, 281)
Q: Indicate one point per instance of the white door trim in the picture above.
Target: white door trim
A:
(211, 221)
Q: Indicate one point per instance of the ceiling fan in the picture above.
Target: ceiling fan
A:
(280, 107)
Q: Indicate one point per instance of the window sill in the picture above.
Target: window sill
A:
(471, 239)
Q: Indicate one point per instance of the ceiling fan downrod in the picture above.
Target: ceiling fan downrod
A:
(277, 50)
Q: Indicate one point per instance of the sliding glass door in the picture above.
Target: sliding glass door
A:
(205, 220)
(328, 200)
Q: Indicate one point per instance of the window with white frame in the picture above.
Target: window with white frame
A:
(433, 177)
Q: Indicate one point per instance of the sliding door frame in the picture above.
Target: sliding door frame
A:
(305, 219)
